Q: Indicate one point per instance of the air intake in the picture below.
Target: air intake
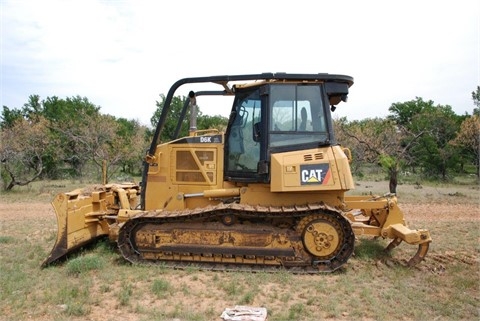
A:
(310, 157)
(318, 156)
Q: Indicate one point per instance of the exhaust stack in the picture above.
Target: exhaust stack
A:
(193, 113)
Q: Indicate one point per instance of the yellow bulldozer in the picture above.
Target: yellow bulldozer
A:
(267, 193)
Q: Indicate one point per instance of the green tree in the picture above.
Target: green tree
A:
(212, 122)
(404, 113)
(33, 108)
(9, 117)
(69, 119)
(176, 107)
(134, 144)
(476, 101)
(175, 111)
(64, 110)
(468, 140)
(428, 129)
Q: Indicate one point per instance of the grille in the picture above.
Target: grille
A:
(310, 157)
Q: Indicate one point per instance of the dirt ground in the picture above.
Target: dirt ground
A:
(419, 205)
(413, 212)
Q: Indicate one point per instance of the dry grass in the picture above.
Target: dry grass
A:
(96, 284)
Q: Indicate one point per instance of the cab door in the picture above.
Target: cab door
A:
(245, 144)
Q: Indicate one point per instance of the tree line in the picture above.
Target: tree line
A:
(417, 137)
(59, 138)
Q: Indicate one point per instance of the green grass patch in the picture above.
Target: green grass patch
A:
(368, 249)
(232, 288)
(125, 293)
(83, 264)
(6, 239)
(161, 288)
(247, 298)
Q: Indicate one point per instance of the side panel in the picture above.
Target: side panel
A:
(319, 169)
(261, 195)
(186, 166)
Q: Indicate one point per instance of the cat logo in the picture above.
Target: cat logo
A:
(316, 174)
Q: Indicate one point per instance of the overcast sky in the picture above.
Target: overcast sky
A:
(122, 55)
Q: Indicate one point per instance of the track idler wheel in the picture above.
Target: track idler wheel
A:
(329, 238)
(417, 258)
(321, 238)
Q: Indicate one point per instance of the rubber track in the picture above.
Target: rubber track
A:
(127, 249)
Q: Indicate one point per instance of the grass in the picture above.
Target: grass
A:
(125, 293)
(96, 284)
(361, 290)
(83, 264)
(161, 288)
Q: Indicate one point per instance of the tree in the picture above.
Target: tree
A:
(33, 108)
(343, 137)
(102, 139)
(378, 141)
(69, 119)
(32, 112)
(476, 101)
(170, 125)
(215, 122)
(75, 132)
(134, 144)
(23, 147)
(468, 140)
(434, 152)
(203, 121)
(427, 129)
(403, 113)
(9, 117)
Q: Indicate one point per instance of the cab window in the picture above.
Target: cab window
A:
(297, 115)
(244, 137)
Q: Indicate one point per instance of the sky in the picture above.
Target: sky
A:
(122, 54)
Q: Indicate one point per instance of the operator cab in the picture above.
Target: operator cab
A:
(273, 117)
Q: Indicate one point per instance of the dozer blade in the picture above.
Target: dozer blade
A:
(60, 247)
(78, 222)
(84, 215)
